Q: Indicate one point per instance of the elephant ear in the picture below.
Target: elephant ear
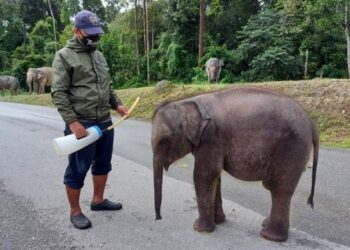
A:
(195, 122)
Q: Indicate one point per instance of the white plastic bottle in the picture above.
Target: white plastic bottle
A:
(68, 144)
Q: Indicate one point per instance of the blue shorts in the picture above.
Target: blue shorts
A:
(97, 155)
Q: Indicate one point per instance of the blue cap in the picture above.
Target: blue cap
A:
(88, 22)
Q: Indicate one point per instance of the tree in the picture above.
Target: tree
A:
(32, 11)
(146, 37)
(226, 17)
(53, 24)
(201, 31)
(119, 56)
(183, 20)
(326, 38)
(136, 39)
(41, 36)
(10, 27)
(267, 49)
(96, 7)
(11, 35)
(69, 9)
(113, 7)
(66, 35)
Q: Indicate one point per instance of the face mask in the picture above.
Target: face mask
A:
(90, 41)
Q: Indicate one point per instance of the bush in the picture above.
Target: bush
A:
(120, 57)
(134, 82)
(276, 64)
(331, 71)
(199, 75)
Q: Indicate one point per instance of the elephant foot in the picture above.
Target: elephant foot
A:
(204, 225)
(219, 218)
(266, 221)
(274, 232)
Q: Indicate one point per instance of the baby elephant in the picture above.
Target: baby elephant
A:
(213, 69)
(252, 134)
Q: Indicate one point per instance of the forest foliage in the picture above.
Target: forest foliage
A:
(257, 40)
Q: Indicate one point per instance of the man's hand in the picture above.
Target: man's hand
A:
(77, 129)
(122, 111)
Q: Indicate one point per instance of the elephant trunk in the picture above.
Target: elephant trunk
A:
(158, 180)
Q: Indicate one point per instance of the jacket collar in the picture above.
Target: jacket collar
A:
(77, 46)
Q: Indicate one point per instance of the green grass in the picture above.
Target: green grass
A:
(326, 100)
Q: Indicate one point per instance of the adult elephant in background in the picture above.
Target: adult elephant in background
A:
(9, 82)
(253, 134)
(213, 69)
(31, 79)
(38, 79)
(44, 78)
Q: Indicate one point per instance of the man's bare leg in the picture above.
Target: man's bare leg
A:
(73, 198)
(99, 188)
(78, 219)
(98, 202)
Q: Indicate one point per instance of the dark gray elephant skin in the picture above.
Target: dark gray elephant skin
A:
(213, 69)
(252, 134)
(9, 82)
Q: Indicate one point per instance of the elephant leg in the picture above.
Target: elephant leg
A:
(219, 215)
(36, 87)
(205, 182)
(284, 175)
(29, 88)
(282, 187)
(218, 75)
(276, 226)
(42, 88)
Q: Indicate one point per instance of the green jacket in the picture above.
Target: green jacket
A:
(81, 85)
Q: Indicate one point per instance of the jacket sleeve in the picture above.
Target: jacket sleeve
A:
(61, 79)
(114, 100)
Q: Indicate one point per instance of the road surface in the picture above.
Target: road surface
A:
(34, 210)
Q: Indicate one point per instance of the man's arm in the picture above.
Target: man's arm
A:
(60, 88)
(61, 78)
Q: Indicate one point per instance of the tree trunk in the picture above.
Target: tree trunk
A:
(146, 42)
(54, 24)
(201, 31)
(145, 31)
(347, 36)
(137, 42)
(25, 39)
(152, 38)
(306, 64)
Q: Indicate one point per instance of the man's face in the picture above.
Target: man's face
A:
(89, 41)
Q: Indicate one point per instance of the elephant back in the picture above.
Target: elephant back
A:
(44, 75)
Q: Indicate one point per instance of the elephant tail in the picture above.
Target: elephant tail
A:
(315, 141)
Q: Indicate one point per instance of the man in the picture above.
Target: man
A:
(83, 94)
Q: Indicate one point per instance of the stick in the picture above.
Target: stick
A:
(125, 116)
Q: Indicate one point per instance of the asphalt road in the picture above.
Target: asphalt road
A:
(34, 213)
